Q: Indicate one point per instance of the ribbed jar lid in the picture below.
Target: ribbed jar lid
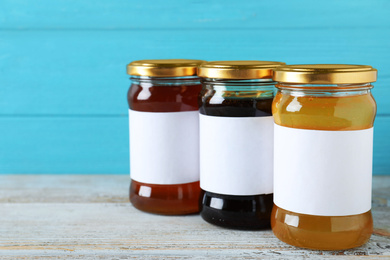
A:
(164, 68)
(325, 74)
(239, 69)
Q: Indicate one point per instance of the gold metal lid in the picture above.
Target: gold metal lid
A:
(325, 74)
(164, 68)
(239, 69)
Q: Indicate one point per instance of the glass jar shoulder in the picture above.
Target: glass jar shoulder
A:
(149, 97)
(352, 111)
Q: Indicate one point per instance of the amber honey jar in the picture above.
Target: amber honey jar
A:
(164, 136)
(236, 143)
(323, 136)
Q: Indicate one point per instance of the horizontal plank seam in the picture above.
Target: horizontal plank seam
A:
(63, 115)
(359, 28)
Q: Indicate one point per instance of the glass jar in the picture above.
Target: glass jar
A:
(324, 117)
(236, 143)
(164, 136)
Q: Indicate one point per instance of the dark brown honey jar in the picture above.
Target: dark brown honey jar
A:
(236, 143)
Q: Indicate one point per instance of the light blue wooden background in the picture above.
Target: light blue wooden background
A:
(63, 84)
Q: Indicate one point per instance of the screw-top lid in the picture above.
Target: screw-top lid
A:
(239, 69)
(325, 74)
(164, 68)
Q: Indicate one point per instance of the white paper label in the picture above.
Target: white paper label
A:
(324, 173)
(164, 147)
(236, 155)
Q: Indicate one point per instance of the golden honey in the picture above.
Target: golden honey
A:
(324, 101)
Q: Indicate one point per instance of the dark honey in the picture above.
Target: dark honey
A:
(238, 212)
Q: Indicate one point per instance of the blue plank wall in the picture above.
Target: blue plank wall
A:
(62, 65)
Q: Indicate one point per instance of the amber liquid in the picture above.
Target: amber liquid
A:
(237, 212)
(352, 112)
(175, 199)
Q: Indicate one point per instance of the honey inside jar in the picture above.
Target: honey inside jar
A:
(236, 143)
(314, 111)
(326, 107)
(166, 91)
(167, 199)
(249, 212)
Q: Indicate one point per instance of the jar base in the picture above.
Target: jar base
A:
(321, 232)
(174, 199)
(237, 212)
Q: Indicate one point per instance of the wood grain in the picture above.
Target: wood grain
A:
(97, 144)
(58, 73)
(89, 217)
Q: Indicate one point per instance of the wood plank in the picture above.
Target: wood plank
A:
(105, 188)
(122, 14)
(381, 146)
(66, 59)
(78, 230)
(83, 72)
(64, 188)
(88, 144)
(64, 145)
(64, 218)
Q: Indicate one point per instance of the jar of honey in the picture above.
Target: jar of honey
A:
(164, 136)
(236, 143)
(324, 117)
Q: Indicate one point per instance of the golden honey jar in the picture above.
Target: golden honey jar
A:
(323, 140)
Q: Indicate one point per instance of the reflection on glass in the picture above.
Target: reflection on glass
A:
(294, 106)
(216, 203)
(145, 191)
(292, 220)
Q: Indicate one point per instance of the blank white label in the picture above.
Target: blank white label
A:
(324, 173)
(236, 155)
(164, 147)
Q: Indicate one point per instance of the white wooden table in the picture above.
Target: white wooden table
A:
(89, 217)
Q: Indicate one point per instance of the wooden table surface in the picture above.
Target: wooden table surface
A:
(90, 217)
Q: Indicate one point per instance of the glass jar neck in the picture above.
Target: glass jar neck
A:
(238, 82)
(165, 81)
(241, 87)
(325, 90)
